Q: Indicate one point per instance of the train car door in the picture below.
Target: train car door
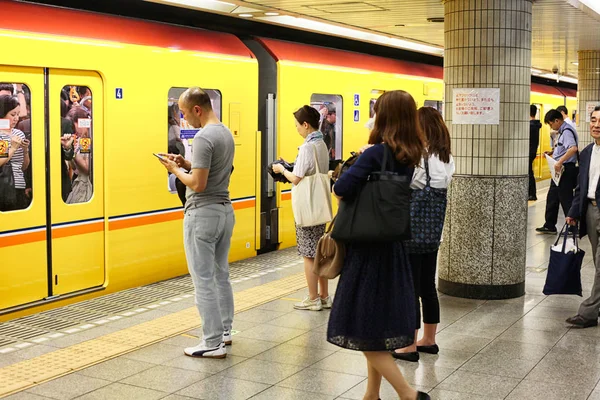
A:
(76, 180)
(23, 257)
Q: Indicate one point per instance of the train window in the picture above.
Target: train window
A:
(372, 107)
(181, 134)
(76, 144)
(434, 104)
(15, 147)
(330, 107)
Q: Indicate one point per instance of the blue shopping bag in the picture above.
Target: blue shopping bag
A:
(564, 269)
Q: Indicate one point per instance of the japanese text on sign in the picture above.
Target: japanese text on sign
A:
(589, 108)
(476, 106)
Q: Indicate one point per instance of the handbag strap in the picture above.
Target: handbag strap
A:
(564, 233)
(318, 170)
(386, 151)
(330, 227)
(428, 184)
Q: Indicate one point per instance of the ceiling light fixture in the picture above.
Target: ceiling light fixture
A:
(336, 30)
(575, 63)
(246, 15)
(271, 14)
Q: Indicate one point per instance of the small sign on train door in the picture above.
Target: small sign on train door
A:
(119, 93)
(356, 100)
(356, 115)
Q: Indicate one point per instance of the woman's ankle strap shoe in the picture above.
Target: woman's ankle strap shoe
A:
(423, 396)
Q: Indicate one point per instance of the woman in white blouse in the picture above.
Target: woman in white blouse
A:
(312, 151)
(441, 169)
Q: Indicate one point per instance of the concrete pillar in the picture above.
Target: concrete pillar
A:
(487, 45)
(588, 92)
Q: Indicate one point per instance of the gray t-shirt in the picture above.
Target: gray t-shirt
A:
(213, 148)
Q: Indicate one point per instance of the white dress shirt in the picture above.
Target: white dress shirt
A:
(594, 172)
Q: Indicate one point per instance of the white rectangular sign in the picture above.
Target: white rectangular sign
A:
(476, 106)
(589, 108)
(4, 123)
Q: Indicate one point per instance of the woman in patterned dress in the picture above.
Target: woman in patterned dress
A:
(313, 148)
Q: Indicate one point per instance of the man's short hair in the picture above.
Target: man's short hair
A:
(562, 109)
(597, 108)
(6, 86)
(195, 96)
(552, 115)
(532, 111)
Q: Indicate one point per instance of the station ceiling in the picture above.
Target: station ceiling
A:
(560, 27)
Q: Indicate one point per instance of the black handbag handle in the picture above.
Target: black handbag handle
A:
(427, 171)
(387, 151)
(565, 231)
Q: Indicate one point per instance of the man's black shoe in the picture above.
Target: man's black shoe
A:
(581, 322)
(544, 229)
(532, 198)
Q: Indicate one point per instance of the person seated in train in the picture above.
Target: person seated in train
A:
(312, 151)
(328, 127)
(14, 148)
(82, 189)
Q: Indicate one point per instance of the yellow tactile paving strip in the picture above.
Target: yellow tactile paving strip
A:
(25, 374)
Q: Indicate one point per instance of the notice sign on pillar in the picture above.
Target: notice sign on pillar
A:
(476, 106)
(589, 109)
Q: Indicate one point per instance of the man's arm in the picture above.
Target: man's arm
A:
(196, 180)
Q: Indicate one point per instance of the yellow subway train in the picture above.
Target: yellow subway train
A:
(99, 213)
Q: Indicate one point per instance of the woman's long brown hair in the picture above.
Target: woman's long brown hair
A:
(436, 133)
(397, 125)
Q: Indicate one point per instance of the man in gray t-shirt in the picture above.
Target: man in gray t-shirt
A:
(209, 220)
(212, 149)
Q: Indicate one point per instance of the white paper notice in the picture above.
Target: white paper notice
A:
(589, 108)
(476, 106)
(4, 123)
(553, 173)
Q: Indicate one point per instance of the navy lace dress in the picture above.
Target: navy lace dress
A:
(374, 305)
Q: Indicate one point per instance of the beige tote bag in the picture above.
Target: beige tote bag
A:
(311, 198)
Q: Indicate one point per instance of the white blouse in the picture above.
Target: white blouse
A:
(439, 172)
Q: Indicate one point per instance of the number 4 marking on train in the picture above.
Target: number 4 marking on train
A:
(356, 115)
(119, 93)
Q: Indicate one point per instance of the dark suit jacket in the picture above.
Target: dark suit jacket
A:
(580, 204)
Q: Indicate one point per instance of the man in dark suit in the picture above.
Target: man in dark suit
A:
(585, 210)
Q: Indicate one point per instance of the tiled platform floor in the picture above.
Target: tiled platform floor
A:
(513, 349)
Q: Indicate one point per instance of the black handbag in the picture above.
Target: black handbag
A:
(427, 214)
(564, 269)
(8, 192)
(380, 212)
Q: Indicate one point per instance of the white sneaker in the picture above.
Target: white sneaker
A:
(227, 338)
(308, 304)
(327, 302)
(204, 351)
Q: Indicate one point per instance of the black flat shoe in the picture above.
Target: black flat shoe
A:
(413, 356)
(546, 230)
(433, 349)
(423, 396)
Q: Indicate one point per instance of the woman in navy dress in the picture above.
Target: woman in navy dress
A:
(374, 306)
